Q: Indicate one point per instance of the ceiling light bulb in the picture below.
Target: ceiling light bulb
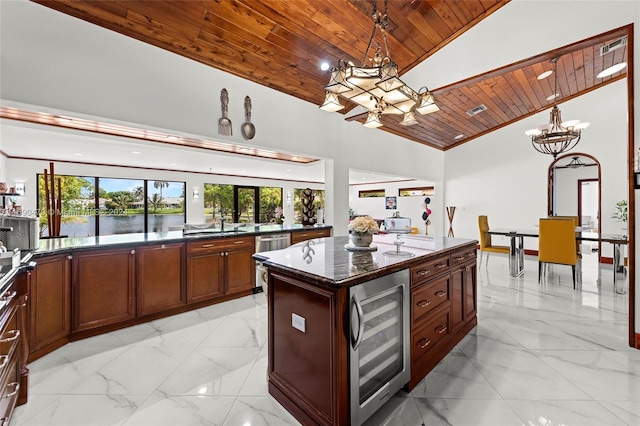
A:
(409, 119)
(373, 120)
(331, 103)
(545, 75)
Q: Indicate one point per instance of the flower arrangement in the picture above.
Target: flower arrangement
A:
(621, 211)
(364, 225)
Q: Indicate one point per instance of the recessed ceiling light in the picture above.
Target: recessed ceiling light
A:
(611, 70)
(460, 136)
(78, 154)
(552, 97)
(545, 75)
(173, 137)
(135, 152)
(173, 164)
(324, 66)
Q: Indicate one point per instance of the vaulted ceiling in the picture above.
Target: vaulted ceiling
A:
(281, 43)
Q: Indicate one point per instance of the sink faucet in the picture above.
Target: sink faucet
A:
(219, 198)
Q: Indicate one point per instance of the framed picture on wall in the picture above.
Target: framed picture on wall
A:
(391, 203)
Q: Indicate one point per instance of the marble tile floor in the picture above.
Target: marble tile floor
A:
(542, 354)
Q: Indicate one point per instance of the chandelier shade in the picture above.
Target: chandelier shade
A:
(576, 163)
(377, 88)
(557, 136)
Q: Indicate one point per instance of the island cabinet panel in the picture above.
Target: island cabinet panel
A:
(160, 278)
(464, 298)
(297, 237)
(50, 302)
(308, 373)
(103, 287)
(205, 271)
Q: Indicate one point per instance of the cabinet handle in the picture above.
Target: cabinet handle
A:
(162, 246)
(8, 297)
(459, 258)
(207, 245)
(5, 360)
(440, 293)
(238, 242)
(3, 421)
(424, 272)
(441, 265)
(471, 254)
(69, 257)
(423, 343)
(424, 303)
(441, 329)
(16, 386)
(133, 252)
(10, 336)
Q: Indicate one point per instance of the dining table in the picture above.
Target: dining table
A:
(516, 249)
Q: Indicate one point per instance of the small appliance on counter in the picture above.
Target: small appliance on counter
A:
(19, 232)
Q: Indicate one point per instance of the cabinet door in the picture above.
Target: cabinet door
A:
(160, 278)
(205, 276)
(470, 291)
(458, 316)
(103, 288)
(49, 301)
(241, 270)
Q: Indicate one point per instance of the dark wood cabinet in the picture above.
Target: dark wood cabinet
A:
(50, 302)
(308, 234)
(103, 288)
(14, 345)
(205, 271)
(240, 267)
(219, 267)
(160, 278)
(443, 308)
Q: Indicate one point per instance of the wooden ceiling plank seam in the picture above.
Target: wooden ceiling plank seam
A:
(514, 102)
(522, 80)
(469, 9)
(447, 12)
(483, 119)
(569, 74)
(405, 34)
(492, 99)
(229, 33)
(457, 116)
(541, 88)
(589, 69)
(179, 20)
(528, 103)
(579, 71)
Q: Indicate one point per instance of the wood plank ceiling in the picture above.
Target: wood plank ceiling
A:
(281, 43)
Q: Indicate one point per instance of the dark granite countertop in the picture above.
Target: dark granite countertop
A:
(68, 244)
(326, 261)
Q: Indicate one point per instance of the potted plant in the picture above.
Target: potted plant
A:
(621, 212)
(362, 229)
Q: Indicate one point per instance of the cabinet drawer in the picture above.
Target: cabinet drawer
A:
(463, 256)
(297, 237)
(426, 337)
(429, 296)
(219, 244)
(428, 269)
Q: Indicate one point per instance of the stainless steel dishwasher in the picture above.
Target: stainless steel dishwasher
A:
(268, 242)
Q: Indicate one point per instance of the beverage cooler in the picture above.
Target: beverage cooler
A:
(379, 342)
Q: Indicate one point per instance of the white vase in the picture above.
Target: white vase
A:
(362, 240)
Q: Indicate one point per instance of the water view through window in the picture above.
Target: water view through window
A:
(123, 206)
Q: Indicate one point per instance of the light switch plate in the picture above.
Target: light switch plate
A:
(298, 322)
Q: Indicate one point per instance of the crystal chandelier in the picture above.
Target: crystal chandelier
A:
(557, 136)
(377, 87)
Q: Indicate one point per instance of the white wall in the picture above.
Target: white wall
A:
(410, 207)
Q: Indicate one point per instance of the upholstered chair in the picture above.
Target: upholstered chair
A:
(557, 244)
(485, 240)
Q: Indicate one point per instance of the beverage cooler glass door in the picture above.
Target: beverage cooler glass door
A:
(379, 337)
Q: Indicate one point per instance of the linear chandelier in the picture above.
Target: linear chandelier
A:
(557, 136)
(377, 87)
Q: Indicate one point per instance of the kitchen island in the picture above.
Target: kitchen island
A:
(310, 314)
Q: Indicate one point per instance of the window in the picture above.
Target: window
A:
(369, 193)
(106, 206)
(242, 204)
(414, 192)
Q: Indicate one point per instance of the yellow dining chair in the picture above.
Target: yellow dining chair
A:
(485, 240)
(576, 222)
(557, 244)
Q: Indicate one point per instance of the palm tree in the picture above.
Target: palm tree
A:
(160, 184)
(138, 192)
(155, 202)
(121, 200)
